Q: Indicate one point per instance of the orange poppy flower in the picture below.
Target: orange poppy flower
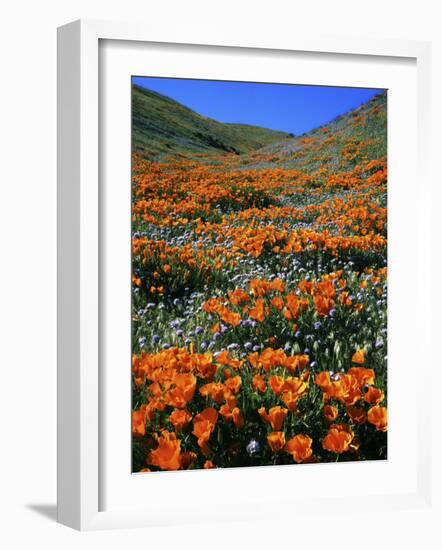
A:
(167, 455)
(203, 426)
(227, 374)
(296, 362)
(155, 404)
(208, 465)
(139, 422)
(338, 439)
(277, 284)
(347, 389)
(215, 390)
(231, 400)
(204, 365)
(362, 375)
(238, 297)
(305, 286)
(223, 358)
(330, 413)
(276, 441)
(226, 412)
(234, 384)
(291, 396)
(323, 380)
(180, 418)
(275, 417)
(259, 383)
(300, 447)
(374, 396)
(295, 384)
(323, 304)
(326, 288)
(377, 416)
(212, 305)
(277, 384)
(277, 302)
(357, 415)
(230, 317)
(293, 307)
(358, 357)
(257, 313)
(183, 391)
(238, 418)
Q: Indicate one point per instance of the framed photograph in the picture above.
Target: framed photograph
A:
(240, 225)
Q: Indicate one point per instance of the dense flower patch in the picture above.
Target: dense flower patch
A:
(259, 292)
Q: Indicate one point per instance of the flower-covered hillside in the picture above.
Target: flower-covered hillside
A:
(259, 284)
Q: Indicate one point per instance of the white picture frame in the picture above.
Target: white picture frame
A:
(79, 269)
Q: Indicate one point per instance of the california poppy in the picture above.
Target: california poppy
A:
(377, 416)
(359, 357)
(357, 415)
(139, 422)
(183, 390)
(373, 396)
(338, 439)
(180, 418)
(276, 441)
(275, 416)
(300, 447)
(167, 455)
(330, 413)
(259, 383)
(203, 426)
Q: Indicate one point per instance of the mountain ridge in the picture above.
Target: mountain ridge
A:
(163, 127)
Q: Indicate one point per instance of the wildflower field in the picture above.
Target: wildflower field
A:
(259, 296)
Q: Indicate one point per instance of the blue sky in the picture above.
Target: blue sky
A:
(287, 107)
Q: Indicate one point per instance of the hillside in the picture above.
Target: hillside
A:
(164, 128)
(259, 295)
(341, 144)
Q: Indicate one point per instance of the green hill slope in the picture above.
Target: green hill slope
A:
(358, 135)
(162, 127)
